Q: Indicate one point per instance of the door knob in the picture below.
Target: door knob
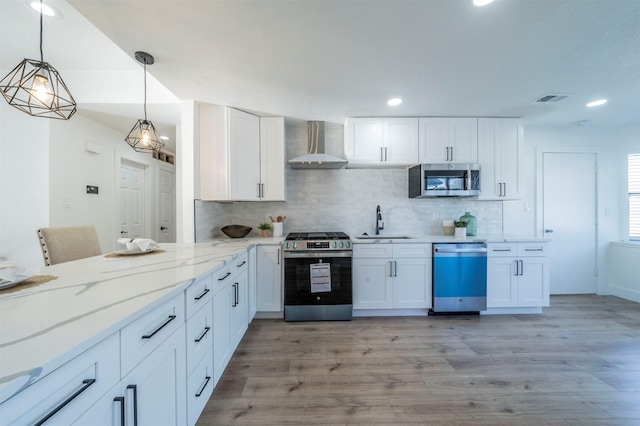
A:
(548, 231)
(123, 232)
(162, 228)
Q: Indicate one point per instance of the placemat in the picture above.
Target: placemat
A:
(34, 281)
(114, 254)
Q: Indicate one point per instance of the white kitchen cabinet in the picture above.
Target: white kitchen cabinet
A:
(500, 145)
(517, 275)
(241, 156)
(153, 393)
(392, 276)
(230, 310)
(63, 395)
(448, 140)
(268, 278)
(381, 141)
(251, 283)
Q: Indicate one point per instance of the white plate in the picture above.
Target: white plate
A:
(132, 252)
(8, 284)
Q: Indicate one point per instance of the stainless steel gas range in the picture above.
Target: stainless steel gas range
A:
(317, 276)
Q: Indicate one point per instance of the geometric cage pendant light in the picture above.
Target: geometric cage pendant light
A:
(144, 137)
(35, 87)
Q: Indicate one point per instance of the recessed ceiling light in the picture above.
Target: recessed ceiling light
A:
(44, 8)
(597, 103)
(482, 2)
(394, 102)
(164, 138)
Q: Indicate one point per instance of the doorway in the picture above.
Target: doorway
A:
(133, 200)
(569, 219)
(166, 206)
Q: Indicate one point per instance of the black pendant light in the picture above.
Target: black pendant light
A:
(144, 137)
(36, 88)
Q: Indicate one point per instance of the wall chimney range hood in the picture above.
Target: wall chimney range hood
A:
(316, 157)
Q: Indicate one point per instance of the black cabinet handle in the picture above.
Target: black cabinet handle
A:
(160, 327)
(242, 264)
(85, 385)
(235, 295)
(204, 333)
(135, 403)
(120, 399)
(206, 382)
(225, 276)
(206, 290)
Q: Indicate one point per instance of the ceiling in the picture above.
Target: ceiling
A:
(327, 60)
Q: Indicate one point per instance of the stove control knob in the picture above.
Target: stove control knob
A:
(295, 245)
(348, 244)
(341, 244)
(335, 244)
(286, 245)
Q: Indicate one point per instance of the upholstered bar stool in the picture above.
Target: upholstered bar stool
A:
(67, 243)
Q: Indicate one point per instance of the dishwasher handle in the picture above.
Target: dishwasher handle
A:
(460, 250)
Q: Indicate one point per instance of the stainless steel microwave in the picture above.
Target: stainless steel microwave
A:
(444, 180)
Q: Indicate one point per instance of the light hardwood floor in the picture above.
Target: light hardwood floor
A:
(578, 363)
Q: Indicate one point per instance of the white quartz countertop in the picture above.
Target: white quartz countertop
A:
(484, 238)
(44, 326)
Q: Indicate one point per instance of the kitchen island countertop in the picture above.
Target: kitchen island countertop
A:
(44, 326)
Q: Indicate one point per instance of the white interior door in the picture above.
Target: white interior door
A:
(569, 219)
(132, 200)
(166, 206)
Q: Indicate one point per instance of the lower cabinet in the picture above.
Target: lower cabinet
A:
(268, 279)
(230, 317)
(392, 276)
(153, 393)
(64, 395)
(517, 275)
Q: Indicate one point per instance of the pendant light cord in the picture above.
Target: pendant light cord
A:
(145, 89)
(41, 55)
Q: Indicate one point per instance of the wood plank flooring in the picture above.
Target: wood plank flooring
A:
(576, 364)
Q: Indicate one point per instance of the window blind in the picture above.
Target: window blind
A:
(634, 197)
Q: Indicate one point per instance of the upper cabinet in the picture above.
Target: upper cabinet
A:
(448, 140)
(500, 142)
(241, 156)
(381, 141)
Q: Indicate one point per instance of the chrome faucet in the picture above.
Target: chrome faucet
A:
(379, 222)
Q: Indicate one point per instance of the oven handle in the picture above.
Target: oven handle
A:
(327, 254)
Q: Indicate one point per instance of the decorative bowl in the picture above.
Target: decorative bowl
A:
(236, 231)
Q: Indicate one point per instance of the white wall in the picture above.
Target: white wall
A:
(24, 185)
(44, 165)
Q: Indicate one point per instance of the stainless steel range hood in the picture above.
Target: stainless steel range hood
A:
(316, 157)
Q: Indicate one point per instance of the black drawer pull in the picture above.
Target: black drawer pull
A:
(134, 388)
(206, 290)
(120, 399)
(204, 333)
(163, 325)
(85, 385)
(244, 262)
(225, 276)
(206, 382)
(533, 249)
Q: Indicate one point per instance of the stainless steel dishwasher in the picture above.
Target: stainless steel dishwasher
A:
(459, 278)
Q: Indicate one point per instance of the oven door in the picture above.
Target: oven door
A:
(317, 286)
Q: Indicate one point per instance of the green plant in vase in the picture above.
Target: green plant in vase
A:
(264, 228)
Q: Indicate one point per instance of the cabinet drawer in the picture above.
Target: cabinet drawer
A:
(372, 250)
(70, 390)
(199, 387)
(199, 335)
(532, 249)
(143, 335)
(412, 250)
(239, 264)
(221, 277)
(502, 249)
(199, 294)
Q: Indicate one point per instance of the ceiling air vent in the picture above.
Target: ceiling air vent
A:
(551, 98)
